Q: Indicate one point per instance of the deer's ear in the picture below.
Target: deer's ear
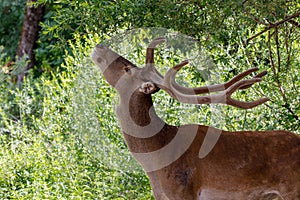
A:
(148, 88)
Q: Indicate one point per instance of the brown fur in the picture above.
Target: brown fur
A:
(246, 165)
(246, 162)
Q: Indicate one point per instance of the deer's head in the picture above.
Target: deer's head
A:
(124, 75)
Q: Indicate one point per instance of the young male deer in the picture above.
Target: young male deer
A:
(193, 161)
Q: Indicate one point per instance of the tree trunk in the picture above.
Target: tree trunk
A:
(29, 35)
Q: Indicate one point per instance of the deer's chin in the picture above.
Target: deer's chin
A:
(148, 88)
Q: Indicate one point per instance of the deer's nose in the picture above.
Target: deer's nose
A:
(99, 53)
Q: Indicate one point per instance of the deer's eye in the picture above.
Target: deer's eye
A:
(127, 69)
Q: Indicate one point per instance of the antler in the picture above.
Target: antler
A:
(189, 95)
(217, 87)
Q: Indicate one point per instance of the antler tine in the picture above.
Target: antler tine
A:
(246, 105)
(260, 75)
(150, 50)
(242, 84)
(217, 87)
(223, 97)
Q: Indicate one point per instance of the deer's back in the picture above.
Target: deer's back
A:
(245, 163)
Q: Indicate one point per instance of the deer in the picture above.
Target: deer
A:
(197, 162)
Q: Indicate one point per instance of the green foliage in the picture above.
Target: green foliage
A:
(57, 141)
(58, 132)
(11, 20)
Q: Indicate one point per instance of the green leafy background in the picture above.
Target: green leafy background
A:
(59, 135)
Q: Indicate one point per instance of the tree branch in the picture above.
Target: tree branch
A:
(277, 50)
(270, 26)
(293, 22)
(286, 105)
(274, 68)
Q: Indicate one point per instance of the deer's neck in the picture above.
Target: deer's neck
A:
(140, 106)
(136, 109)
(143, 130)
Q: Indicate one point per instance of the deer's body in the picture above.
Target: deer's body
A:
(246, 165)
(232, 172)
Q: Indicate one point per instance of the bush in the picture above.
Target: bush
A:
(59, 138)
